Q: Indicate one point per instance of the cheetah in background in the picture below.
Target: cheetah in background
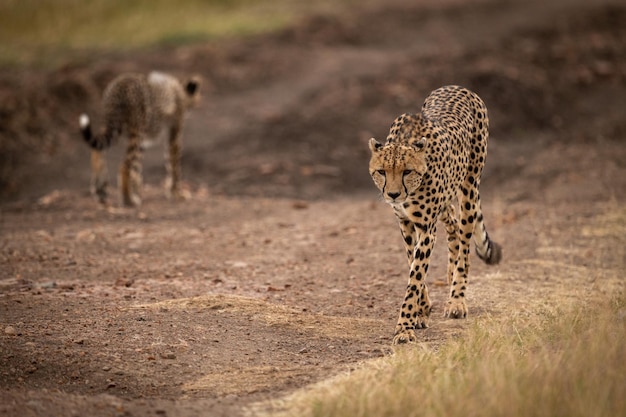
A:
(142, 108)
(430, 160)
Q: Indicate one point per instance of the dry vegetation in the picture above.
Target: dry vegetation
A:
(564, 362)
(46, 32)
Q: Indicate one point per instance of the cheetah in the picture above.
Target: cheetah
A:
(428, 161)
(143, 108)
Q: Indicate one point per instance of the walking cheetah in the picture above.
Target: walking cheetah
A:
(430, 160)
(141, 108)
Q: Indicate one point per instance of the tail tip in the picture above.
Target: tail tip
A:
(83, 121)
(192, 86)
(495, 255)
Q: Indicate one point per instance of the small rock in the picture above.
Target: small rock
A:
(124, 282)
(10, 330)
(378, 352)
(168, 355)
(85, 236)
(300, 205)
(50, 198)
(66, 286)
(48, 285)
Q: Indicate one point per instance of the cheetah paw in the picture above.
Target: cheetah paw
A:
(179, 194)
(455, 308)
(404, 336)
(134, 200)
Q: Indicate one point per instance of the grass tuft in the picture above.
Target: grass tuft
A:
(568, 363)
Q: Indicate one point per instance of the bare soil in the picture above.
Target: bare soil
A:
(284, 268)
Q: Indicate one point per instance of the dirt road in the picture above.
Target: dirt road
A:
(284, 268)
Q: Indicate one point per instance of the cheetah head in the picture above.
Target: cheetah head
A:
(397, 168)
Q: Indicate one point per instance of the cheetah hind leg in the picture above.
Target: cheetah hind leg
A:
(455, 307)
(173, 188)
(449, 219)
(131, 175)
(99, 176)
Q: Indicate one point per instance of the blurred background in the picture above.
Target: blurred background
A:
(284, 229)
(293, 89)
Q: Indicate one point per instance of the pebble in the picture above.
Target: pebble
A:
(168, 355)
(10, 330)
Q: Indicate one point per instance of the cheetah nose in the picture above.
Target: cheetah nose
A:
(393, 196)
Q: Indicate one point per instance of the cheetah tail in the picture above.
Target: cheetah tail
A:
(97, 142)
(192, 91)
(486, 249)
(85, 127)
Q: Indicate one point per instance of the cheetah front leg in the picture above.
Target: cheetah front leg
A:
(415, 309)
(409, 236)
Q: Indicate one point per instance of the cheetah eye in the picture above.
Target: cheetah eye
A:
(381, 172)
(407, 172)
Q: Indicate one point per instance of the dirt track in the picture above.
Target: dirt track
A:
(284, 268)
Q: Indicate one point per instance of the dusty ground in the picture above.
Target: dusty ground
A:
(284, 268)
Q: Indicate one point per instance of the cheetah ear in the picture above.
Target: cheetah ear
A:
(375, 145)
(419, 144)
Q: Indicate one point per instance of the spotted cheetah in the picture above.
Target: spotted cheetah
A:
(142, 108)
(430, 160)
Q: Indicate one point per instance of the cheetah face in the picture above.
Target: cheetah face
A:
(397, 169)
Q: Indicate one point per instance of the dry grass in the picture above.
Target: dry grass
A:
(564, 363)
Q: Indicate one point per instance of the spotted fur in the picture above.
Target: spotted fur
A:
(429, 161)
(142, 108)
